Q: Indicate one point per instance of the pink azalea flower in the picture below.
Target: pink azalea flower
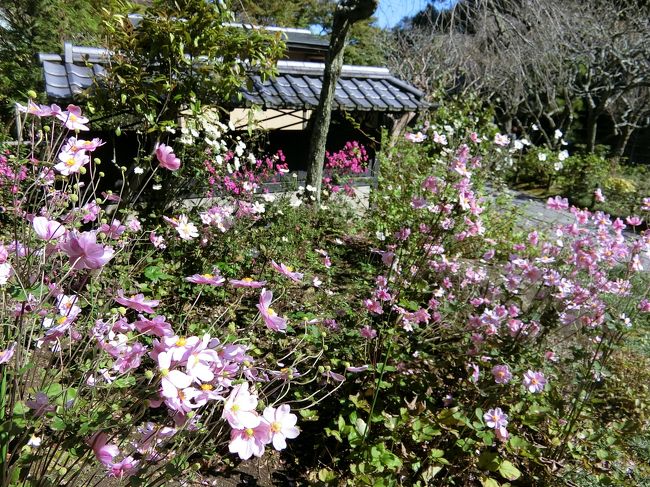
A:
(137, 302)
(534, 381)
(557, 203)
(502, 374)
(287, 271)
(246, 282)
(271, 318)
(598, 195)
(84, 251)
(72, 118)
(250, 441)
(48, 229)
(282, 425)
(207, 279)
(495, 418)
(167, 158)
(5, 355)
(239, 408)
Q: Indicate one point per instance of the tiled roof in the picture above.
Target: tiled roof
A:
(297, 86)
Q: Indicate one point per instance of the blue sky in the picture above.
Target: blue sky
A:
(390, 12)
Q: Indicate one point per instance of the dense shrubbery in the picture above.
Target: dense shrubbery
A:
(429, 342)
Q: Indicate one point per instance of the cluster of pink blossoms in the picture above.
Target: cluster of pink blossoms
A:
(251, 432)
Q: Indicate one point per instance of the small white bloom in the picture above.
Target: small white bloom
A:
(557, 134)
(563, 155)
(317, 282)
(251, 158)
(186, 229)
(525, 141)
(541, 156)
(138, 170)
(258, 208)
(34, 442)
(381, 236)
(294, 175)
(518, 145)
(157, 187)
(284, 239)
(296, 202)
(558, 166)
(534, 127)
(310, 188)
(268, 197)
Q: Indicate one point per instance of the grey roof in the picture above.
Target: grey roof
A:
(363, 88)
(297, 86)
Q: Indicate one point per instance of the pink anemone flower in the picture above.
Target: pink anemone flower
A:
(246, 282)
(207, 279)
(48, 229)
(282, 424)
(137, 302)
(72, 118)
(84, 252)
(250, 441)
(287, 271)
(167, 158)
(271, 318)
(239, 408)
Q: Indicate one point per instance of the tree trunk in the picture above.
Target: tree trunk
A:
(347, 13)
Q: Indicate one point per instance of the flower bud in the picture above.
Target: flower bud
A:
(74, 198)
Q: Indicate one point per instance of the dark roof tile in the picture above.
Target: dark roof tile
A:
(298, 85)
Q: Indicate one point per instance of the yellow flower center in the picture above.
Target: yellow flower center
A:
(276, 427)
(289, 268)
(249, 431)
(234, 408)
(69, 161)
(180, 342)
(164, 372)
(206, 387)
(247, 279)
(271, 312)
(61, 320)
(72, 117)
(207, 276)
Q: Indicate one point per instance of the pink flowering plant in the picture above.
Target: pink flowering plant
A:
(110, 366)
(432, 340)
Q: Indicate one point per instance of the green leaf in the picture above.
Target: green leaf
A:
(361, 426)
(486, 482)
(326, 475)
(509, 471)
(57, 424)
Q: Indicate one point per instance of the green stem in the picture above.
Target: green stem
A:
(377, 387)
(4, 435)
